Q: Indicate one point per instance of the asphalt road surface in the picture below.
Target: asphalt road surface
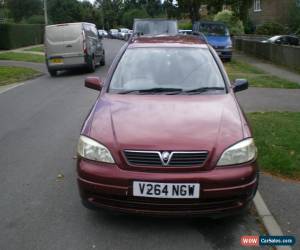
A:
(40, 207)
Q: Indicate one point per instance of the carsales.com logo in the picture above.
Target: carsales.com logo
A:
(255, 241)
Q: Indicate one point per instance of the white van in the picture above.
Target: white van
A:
(72, 45)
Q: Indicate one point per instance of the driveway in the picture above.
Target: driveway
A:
(40, 206)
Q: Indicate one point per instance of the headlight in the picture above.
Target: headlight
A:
(241, 152)
(92, 150)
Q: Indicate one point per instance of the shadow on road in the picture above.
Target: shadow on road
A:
(216, 232)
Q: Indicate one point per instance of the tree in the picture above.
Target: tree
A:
(294, 18)
(129, 16)
(112, 12)
(192, 7)
(64, 11)
(234, 24)
(21, 9)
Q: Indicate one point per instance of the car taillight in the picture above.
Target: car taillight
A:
(84, 43)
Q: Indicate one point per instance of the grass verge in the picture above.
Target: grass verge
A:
(10, 74)
(36, 49)
(257, 77)
(25, 57)
(277, 136)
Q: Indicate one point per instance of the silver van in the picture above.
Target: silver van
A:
(71, 45)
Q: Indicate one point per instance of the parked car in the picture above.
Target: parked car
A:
(283, 40)
(218, 36)
(71, 45)
(155, 26)
(164, 138)
(113, 33)
(124, 34)
(103, 33)
(185, 32)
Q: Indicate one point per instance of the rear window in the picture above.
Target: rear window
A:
(213, 29)
(66, 32)
(184, 68)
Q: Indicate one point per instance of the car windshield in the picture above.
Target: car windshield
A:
(182, 69)
(155, 27)
(214, 29)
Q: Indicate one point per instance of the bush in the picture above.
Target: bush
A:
(185, 25)
(18, 35)
(36, 19)
(129, 16)
(270, 28)
(234, 24)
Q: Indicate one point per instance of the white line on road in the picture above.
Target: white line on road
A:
(269, 221)
(5, 88)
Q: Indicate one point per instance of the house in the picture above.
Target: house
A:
(263, 11)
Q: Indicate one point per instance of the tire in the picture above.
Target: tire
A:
(88, 205)
(92, 64)
(52, 72)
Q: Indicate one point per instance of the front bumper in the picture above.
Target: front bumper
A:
(224, 53)
(222, 190)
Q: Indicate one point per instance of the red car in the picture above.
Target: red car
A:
(166, 135)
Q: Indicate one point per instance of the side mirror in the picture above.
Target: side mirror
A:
(240, 85)
(93, 82)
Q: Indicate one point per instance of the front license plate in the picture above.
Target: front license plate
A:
(166, 190)
(57, 60)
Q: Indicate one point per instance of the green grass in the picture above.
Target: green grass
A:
(10, 74)
(277, 136)
(257, 77)
(36, 49)
(22, 57)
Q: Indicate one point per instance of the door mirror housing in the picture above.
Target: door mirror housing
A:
(240, 85)
(93, 82)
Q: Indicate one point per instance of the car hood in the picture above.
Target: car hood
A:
(162, 122)
(219, 41)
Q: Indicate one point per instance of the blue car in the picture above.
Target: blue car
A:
(217, 35)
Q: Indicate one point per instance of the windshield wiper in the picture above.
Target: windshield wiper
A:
(201, 90)
(152, 90)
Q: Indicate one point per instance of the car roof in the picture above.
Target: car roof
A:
(167, 41)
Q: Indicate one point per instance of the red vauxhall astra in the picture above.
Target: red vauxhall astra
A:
(166, 135)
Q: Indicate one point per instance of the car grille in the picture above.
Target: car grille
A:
(175, 159)
(219, 47)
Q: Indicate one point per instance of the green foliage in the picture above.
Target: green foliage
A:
(64, 11)
(277, 137)
(256, 77)
(22, 9)
(192, 7)
(18, 35)
(185, 25)
(271, 28)
(36, 19)
(10, 74)
(234, 24)
(294, 18)
(129, 16)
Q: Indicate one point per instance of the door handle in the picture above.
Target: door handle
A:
(69, 46)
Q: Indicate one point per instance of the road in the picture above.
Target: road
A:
(40, 206)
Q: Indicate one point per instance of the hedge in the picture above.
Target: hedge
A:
(18, 35)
